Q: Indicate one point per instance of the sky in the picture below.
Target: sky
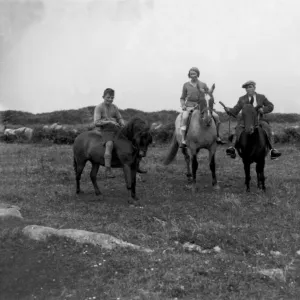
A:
(71, 50)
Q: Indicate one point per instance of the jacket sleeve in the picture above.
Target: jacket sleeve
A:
(237, 108)
(267, 105)
(183, 95)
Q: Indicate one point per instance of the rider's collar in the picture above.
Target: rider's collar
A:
(194, 84)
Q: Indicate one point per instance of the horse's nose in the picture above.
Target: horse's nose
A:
(142, 153)
(208, 121)
(250, 130)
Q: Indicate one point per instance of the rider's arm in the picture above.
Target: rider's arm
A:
(267, 105)
(98, 116)
(183, 96)
(237, 108)
(119, 118)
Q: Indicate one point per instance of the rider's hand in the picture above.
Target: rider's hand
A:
(261, 110)
(183, 107)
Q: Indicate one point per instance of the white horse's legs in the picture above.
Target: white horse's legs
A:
(212, 165)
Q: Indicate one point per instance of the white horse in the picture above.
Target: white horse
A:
(202, 133)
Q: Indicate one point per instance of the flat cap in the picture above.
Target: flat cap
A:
(250, 82)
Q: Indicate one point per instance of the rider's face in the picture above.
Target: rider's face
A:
(108, 99)
(193, 75)
(250, 89)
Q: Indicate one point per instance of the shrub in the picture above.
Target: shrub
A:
(289, 135)
(164, 133)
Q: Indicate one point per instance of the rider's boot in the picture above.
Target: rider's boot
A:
(275, 154)
(219, 140)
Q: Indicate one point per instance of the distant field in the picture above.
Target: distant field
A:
(246, 227)
(283, 132)
(276, 127)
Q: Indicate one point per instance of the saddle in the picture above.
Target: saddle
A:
(188, 122)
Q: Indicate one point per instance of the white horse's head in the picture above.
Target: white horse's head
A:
(207, 112)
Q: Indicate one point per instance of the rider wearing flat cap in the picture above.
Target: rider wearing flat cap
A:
(263, 106)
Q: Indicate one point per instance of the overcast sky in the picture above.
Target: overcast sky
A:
(144, 48)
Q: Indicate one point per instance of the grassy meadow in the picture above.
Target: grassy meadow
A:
(257, 235)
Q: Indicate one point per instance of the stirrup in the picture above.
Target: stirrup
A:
(109, 174)
(221, 142)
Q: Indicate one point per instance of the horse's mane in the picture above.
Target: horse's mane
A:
(133, 126)
(248, 107)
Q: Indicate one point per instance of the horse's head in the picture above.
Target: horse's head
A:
(142, 140)
(138, 132)
(249, 115)
(206, 112)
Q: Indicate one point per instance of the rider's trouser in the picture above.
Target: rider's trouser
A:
(108, 153)
(185, 115)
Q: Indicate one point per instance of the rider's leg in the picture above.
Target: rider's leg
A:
(218, 123)
(107, 159)
(184, 117)
(274, 153)
(230, 151)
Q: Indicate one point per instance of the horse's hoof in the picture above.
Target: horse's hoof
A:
(135, 204)
(189, 179)
(188, 186)
(79, 192)
(100, 197)
(216, 187)
(98, 193)
(248, 190)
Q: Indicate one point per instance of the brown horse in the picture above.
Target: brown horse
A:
(253, 146)
(201, 133)
(130, 144)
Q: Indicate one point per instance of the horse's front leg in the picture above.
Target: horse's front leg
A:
(194, 172)
(130, 179)
(260, 166)
(93, 176)
(247, 174)
(188, 164)
(212, 165)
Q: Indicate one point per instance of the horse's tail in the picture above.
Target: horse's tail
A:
(75, 165)
(173, 150)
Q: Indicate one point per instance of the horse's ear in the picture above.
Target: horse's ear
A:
(211, 90)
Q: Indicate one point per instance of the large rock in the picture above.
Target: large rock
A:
(81, 236)
(7, 210)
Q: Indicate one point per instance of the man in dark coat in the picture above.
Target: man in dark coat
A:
(263, 106)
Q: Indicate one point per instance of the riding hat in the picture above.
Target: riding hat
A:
(250, 82)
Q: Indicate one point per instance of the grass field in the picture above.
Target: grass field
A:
(258, 234)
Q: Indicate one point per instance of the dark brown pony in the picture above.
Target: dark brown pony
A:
(130, 144)
(253, 146)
